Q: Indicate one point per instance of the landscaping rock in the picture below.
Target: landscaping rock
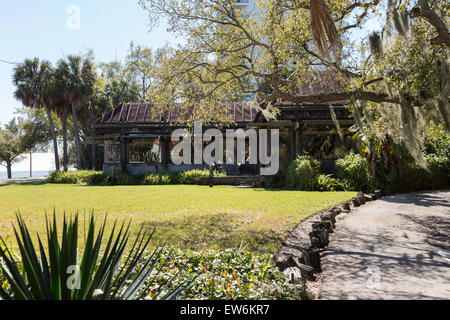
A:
(335, 211)
(294, 275)
(378, 194)
(317, 225)
(328, 216)
(319, 238)
(312, 258)
(307, 272)
(327, 225)
(284, 263)
(346, 206)
(341, 216)
(304, 270)
(355, 202)
(361, 198)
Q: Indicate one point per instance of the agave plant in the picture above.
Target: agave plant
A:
(102, 273)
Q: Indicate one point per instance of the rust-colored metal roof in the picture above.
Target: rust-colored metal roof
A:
(312, 83)
(147, 113)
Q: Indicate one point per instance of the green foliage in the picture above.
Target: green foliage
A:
(328, 183)
(224, 274)
(394, 169)
(191, 176)
(20, 136)
(410, 176)
(77, 177)
(61, 273)
(302, 172)
(275, 181)
(3, 282)
(159, 179)
(437, 143)
(354, 172)
(121, 179)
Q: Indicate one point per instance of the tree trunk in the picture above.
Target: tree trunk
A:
(77, 137)
(31, 164)
(8, 169)
(94, 158)
(53, 132)
(64, 132)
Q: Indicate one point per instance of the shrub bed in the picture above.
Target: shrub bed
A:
(218, 275)
(354, 173)
(226, 274)
(301, 174)
(77, 177)
(98, 178)
(191, 176)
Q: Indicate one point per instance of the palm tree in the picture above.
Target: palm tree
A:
(55, 96)
(32, 79)
(77, 76)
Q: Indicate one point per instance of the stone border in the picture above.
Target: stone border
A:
(299, 255)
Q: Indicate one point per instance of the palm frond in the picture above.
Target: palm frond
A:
(322, 27)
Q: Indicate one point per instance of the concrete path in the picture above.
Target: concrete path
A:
(397, 247)
(22, 180)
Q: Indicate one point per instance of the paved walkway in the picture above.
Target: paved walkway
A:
(397, 247)
(22, 180)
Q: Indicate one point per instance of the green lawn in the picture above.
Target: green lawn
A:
(196, 217)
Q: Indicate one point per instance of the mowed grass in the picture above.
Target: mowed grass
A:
(194, 217)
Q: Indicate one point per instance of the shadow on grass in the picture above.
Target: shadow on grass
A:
(212, 231)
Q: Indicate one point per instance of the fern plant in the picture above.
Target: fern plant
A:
(60, 273)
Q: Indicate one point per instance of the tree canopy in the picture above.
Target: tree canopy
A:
(20, 136)
(267, 52)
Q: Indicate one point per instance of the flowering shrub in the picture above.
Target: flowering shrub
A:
(227, 274)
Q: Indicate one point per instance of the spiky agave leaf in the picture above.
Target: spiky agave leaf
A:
(59, 275)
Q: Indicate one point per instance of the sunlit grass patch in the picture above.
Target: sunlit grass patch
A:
(194, 217)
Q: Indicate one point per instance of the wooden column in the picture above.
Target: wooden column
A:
(123, 155)
(293, 145)
(93, 150)
(299, 140)
(165, 151)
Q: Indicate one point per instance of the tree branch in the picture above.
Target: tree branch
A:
(339, 96)
(424, 10)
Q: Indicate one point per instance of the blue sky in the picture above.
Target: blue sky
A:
(39, 28)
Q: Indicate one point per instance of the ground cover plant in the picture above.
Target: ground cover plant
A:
(222, 274)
